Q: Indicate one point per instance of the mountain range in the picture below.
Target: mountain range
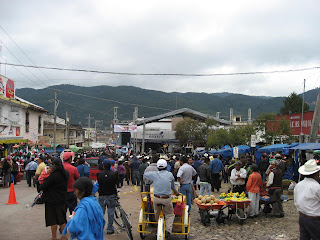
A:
(103, 99)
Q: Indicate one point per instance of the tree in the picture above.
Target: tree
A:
(272, 126)
(293, 104)
(233, 137)
(189, 130)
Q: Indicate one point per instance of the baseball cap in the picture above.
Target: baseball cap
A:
(67, 155)
(107, 163)
(161, 164)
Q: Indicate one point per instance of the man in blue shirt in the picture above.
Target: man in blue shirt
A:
(134, 165)
(163, 182)
(216, 167)
(31, 171)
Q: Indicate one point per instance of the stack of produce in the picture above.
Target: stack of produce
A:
(234, 196)
(207, 200)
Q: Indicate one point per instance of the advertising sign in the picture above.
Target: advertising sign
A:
(253, 140)
(7, 87)
(125, 128)
(235, 152)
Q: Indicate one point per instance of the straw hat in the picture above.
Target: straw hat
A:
(310, 167)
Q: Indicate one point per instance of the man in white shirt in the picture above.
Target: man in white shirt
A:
(307, 201)
(238, 178)
(185, 174)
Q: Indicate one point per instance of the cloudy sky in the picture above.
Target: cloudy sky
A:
(189, 37)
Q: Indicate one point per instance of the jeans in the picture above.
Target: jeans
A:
(121, 177)
(215, 184)
(185, 189)
(205, 186)
(110, 202)
(135, 178)
(30, 175)
(264, 176)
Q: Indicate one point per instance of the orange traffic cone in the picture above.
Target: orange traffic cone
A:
(12, 196)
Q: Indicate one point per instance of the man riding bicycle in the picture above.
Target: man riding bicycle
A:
(163, 182)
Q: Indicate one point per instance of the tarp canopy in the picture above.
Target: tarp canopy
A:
(286, 149)
(244, 149)
(307, 146)
(272, 148)
(226, 151)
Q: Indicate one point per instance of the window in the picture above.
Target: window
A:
(39, 124)
(27, 122)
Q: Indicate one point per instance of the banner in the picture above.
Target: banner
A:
(7, 87)
(125, 128)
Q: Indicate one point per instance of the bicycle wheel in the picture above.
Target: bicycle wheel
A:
(117, 217)
(160, 230)
(126, 224)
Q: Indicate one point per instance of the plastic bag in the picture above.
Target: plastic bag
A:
(292, 185)
(179, 208)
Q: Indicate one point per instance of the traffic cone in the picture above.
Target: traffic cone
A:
(12, 196)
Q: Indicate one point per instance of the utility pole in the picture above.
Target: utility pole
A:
(231, 115)
(89, 130)
(67, 129)
(315, 120)
(249, 116)
(301, 138)
(55, 121)
(135, 141)
(143, 136)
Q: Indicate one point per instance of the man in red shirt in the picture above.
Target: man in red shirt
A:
(73, 176)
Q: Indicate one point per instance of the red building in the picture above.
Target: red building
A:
(295, 122)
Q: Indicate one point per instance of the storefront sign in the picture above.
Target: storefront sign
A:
(125, 128)
(10, 131)
(7, 87)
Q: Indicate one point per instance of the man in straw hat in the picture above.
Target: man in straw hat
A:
(307, 201)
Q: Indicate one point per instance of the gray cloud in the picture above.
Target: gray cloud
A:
(166, 37)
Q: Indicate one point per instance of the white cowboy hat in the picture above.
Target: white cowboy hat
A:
(310, 167)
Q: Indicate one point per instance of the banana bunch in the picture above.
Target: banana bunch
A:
(223, 195)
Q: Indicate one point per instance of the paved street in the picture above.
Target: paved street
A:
(18, 223)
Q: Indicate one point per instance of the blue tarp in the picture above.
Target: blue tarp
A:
(286, 149)
(272, 148)
(244, 149)
(307, 146)
(226, 151)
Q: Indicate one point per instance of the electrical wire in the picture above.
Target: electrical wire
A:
(165, 74)
(21, 63)
(26, 54)
(110, 100)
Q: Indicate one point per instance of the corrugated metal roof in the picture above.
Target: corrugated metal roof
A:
(31, 104)
(184, 112)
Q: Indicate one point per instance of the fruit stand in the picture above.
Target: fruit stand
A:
(237, 204)
(211, 209)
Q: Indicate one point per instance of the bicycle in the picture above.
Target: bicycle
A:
(121, 219)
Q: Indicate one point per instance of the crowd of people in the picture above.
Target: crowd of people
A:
(65, 185)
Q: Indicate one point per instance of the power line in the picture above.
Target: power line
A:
(109, 100)
(164, 74)
(23, 75)
(26, 54)
(21, 64)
